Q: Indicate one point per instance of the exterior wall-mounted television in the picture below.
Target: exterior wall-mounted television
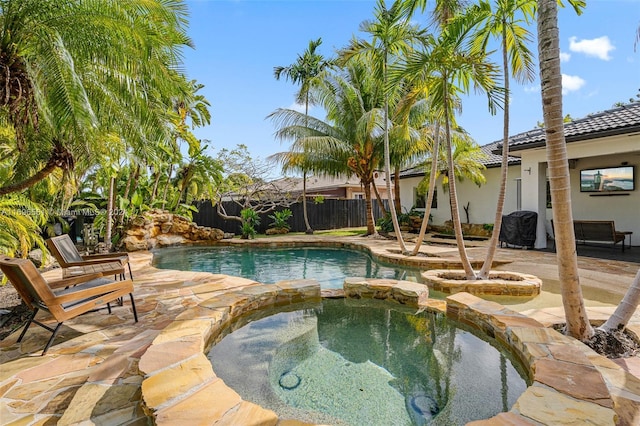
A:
(609, 179)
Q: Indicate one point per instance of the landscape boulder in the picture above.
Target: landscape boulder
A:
(159, 228)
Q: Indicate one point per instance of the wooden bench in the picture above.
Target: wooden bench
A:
(598, 231)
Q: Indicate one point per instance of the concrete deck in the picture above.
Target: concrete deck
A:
(92, 375)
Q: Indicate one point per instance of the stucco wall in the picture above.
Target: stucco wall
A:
(482, 200)
(598, 153)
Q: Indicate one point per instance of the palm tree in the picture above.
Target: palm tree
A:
(69, 68)
(198, 176)
(350, 140)
(408, 143)
(578, 325)
(392, 36)
(306, 71)
(20, 222)
(504, 24)
(188, 106)
(448, 66)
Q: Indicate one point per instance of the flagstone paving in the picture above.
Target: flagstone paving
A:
(106, 369)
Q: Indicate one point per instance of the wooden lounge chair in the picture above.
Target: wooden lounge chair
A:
(73, 263)
(63, 299)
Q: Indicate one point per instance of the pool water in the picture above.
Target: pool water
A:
(366, 362)
(269, 265)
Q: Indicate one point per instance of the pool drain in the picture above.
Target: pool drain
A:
(289, 380)
(423, 408)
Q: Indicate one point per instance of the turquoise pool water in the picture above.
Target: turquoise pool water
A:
(357, 362)
(269, 265)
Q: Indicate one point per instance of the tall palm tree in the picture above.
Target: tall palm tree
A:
(442, 12)
(305, 71)
(578, 325)
(350, 140)
(187, 106)
(392, 36)
(505, 23)
(449, 66)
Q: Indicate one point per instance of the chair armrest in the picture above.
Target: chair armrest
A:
(67, 282)
(108, 289)
(122, 261)
(117, 255)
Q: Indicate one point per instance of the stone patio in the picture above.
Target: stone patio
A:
(106, 369)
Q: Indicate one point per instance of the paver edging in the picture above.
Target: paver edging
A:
(536, 346)
(500, 283)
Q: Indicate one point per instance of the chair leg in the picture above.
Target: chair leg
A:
(109, 308)
(130, 273)
(53, 336)
(24, 331)
(133, 307)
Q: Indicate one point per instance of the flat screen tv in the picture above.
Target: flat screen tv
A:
(608, 179)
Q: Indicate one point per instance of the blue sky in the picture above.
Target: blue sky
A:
(238, 42)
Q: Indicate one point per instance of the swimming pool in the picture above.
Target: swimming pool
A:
(357, 362)
(329, 266)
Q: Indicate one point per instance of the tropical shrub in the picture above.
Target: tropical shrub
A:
(250, 219)
(280, 219)
(20, 222)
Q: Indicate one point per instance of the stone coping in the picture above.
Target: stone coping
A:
(570, 384)
(500, 283)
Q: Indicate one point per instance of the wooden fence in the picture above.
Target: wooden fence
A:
(330, 214)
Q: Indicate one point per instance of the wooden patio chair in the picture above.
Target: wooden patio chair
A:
(73, 263)
(63, 299)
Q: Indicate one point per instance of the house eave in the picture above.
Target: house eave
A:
(628, 131)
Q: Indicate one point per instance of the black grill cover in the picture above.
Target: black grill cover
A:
(519, 228)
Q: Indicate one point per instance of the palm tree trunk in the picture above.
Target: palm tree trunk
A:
(497, 221)
(626, 308)
(308, 229)
(304, 203)
(578, 325)
(133, 177)
(396, 189)
(432, 188)
(29, 182)
(383, 209)
(371, 226)
(453, 197)
(110, 205)
(166, 187)
(156, 180)
(60, 157)
(387, 163)
(136, 180)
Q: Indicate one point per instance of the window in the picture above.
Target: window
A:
(358, 196)
(420, 200)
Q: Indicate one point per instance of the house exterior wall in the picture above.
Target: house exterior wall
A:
(596, 153)
(482, 199)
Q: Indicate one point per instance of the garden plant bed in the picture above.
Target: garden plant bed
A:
(500, 283)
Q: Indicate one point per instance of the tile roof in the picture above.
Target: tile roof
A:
(616, 121)
(491, 160)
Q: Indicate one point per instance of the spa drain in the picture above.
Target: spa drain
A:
(289, 380)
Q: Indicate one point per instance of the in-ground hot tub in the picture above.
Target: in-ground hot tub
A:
(355, 362)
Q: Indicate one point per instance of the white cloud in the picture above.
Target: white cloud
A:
(564, 57)
(298, 107)
(532, 89)
(597, 47)
(571, 83)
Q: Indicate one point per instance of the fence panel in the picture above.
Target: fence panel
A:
(330, 214)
